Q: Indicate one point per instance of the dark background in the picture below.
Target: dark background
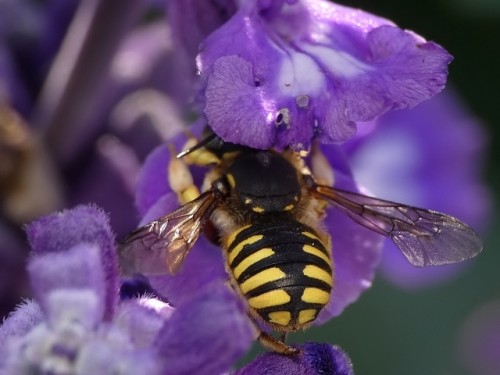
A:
(394, 331)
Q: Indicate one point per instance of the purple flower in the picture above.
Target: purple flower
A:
(282, 73)
(430, 156)
(76, 325)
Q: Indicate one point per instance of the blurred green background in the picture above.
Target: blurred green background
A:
(394, 331)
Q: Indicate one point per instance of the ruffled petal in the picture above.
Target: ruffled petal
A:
(279, 74)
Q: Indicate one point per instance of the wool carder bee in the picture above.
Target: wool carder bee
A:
(267, 208)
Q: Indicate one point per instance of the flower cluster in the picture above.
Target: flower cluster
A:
(264, 74)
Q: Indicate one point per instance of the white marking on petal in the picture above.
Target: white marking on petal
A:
(337, 62)
(74, 305)
(299, 74)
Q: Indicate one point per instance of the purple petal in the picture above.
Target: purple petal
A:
(84, 224)
(203, 265)
(113, 354)
(153, 179)
(236, 107)
(327, 359)
(19, 323)
(281, 74)
(141, 321)
(163, 206)
(193, 20)
(429, 157)
(153, 182)
(356, 250)
(207, 334)
(313, 359)
(78, 268)
(79, 306)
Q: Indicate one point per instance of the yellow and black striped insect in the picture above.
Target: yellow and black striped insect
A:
(267, 208)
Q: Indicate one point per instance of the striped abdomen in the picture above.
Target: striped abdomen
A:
(283, 270)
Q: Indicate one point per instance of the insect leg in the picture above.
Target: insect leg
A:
(321, 168)
(181, 180)
(272, 343)
(276, 345)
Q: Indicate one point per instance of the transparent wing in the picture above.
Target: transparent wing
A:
(161, 246)
(425, 237)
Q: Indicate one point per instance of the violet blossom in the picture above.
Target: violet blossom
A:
(284, 73)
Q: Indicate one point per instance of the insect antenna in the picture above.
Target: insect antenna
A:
(197, 146)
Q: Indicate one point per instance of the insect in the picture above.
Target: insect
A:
(267, 208)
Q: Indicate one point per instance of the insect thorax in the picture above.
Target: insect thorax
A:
(283, 269)
(263, 182)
